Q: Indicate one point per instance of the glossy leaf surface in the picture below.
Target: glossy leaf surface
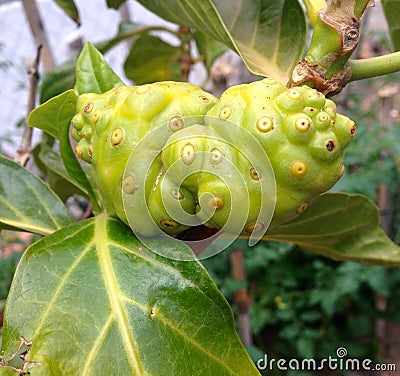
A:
(151, 60)
(94, 301)
(27, 203)
(343, 227)
(93, 73)
(391, 9)
(58, 177)
(269, 35)
(52, 115)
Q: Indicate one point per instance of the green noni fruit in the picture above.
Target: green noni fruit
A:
(302, 134)
(108, 127)
(298, 128)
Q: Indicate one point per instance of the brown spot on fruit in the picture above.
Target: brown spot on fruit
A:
(117, 137)
(129, 185)
(302, 124)
(175, 123)
(88, 107)
(78, 151)
(293, 94)
(216, 203)
(330, 145)
(254, 174)
(169, 223)
(323, 117)
(216, 156)
(298, 168)
(353, 129)
(90, 151)
(225, 113)
(96, 118)
(254, 227)
(176, 194)
(265, 124)
(204, 99)
(302, 207)
(188, 154)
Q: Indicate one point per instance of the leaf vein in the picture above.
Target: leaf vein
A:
(60, 288)
(97, 345)
(114, 292)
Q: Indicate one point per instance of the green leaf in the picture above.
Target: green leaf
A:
(54, 114)
(151, 60)
(93, 73)
(69, 7)
(209, 48)
(58, 81)
(58, 177)
(115, 3)
(391, 9)
(27, 203)
(342, 227)
(269, 35)
(94, 301)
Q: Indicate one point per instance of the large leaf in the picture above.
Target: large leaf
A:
(58, 177)
(27, 203)
(93, 73)
(269, 35)
(54, 114)
(151, 60)
(343, 227)
(69, 7)
(94, 301)
(391, 9)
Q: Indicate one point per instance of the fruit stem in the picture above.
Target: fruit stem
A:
(104, 47)
(374, 66)
(186, 61)
(335, 36)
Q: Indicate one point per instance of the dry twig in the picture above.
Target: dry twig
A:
(24, 151)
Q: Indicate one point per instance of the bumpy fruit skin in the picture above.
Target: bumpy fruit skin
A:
(301, 133)
(108, 127)
(298, 128)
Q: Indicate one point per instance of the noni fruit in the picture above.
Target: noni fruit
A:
(298, 129)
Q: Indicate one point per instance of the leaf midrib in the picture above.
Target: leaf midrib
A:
(113, 292)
